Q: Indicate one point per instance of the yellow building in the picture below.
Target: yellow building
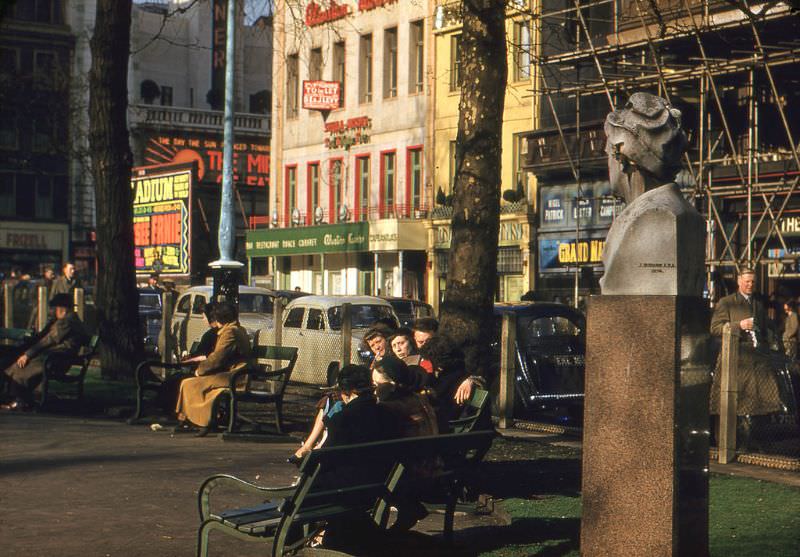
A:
(517, 255)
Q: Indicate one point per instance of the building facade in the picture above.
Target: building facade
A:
(352, 173)
(36, 46)
(516, 265)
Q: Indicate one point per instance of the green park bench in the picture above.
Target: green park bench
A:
(288, 517)
(70, 370)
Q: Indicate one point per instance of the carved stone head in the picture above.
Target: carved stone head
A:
(644, 144)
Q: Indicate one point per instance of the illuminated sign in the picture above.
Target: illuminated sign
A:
(321, 95)
(219, 32)
(162, 218)
(250, 158)
(316, 15)
(328, 238)
(561, 254)
(343, 134)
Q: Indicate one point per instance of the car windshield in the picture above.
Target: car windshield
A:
(149, 301)
(362, 316)
(402, 307)
(255, 303)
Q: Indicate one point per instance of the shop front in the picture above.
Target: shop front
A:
(326, 259)
(515, 266)
(399, 259)
(31, 246)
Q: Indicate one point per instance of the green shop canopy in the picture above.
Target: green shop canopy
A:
(328, 238)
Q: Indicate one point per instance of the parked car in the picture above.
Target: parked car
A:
(150, 318)
(549, 360)
(313, 324)
(408, 310)
(289, 295)
(255, 312)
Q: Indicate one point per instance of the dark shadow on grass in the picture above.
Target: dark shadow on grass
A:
(9, 467)
(525, 531)
(530, 478)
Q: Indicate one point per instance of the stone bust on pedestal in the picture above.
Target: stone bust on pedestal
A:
(656, 246)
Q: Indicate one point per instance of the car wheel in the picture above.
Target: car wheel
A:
(333, 372)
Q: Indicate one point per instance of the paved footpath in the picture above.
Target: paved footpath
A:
(95, 487)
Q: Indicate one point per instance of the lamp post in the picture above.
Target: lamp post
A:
(226, 271)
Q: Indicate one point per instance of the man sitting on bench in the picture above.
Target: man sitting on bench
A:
(63, 337)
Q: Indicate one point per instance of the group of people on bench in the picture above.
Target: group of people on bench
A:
(416, 383)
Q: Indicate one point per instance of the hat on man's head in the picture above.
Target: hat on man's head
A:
(61, 301)
(354, 378)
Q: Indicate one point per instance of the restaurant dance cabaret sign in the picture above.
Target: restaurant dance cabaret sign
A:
(162, 218)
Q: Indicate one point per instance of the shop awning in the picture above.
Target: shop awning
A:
(328, 238)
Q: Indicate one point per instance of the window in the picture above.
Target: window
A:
(9, 133)
(40, 11)
(294, 319)
(292, 86)
(9, 61)
(312, 193)
(387, 184)
(183, 304)
(8, 196)
(520, 158)
(42, 141)
(335, 182)
(290, 187)
(339, 69)
(455, 63)
(451, 184)
(199, 304)
(416, 57)
(522, 50)
(43, 207)
(414, 181)
(365, 69)
(315, 321)
(166, 96)
(390, 63)
(362, 316)
(362, 188)
(315, 64)
(44, 69)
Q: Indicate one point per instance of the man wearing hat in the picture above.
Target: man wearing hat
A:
(63, 337)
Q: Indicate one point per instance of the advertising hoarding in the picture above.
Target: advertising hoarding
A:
(162, 218)
(321, 95)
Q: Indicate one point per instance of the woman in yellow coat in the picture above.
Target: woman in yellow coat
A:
(231, 353)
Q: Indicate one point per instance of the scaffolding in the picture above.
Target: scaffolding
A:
(732, 67)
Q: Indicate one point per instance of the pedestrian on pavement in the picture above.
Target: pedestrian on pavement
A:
(152, 283)
(67, 282)
(63, 338)
(791, 328)
(759, 394)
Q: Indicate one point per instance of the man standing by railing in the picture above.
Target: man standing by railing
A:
(67, 282)
(757, 383)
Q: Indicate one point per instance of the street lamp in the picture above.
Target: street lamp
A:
(225, 270)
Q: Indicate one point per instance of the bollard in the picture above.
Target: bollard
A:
(8, 306)
(166, 344)
(729, 394)
(347, 335)
(507, 370)
(80, 306)
(41, 308)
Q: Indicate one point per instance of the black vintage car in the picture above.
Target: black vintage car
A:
(550, 352)
(150, 318)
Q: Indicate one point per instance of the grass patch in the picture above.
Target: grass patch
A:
(98, 392)
(748, 518)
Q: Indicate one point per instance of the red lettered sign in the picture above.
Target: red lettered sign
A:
(321, 95)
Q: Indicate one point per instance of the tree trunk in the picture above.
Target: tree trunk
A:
(116, 297)
(466, 313)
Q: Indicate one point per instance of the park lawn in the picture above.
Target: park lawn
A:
(748, 518)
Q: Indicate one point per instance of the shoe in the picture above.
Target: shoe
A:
(408, 515)
(203, 431)
(183, 427)
(16, 406)
(296, 460)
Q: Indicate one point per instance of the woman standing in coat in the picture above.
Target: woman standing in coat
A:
(231, 353)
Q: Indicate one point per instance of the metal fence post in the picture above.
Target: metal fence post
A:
(41, 308)
(165, 340)
(8, 306)
(80, 307)
(728, 396)
(277, 321)
(507, 370)
(347, 335)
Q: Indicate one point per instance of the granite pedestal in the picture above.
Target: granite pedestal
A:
(645, 440)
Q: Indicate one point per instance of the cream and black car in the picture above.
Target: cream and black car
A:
(313, 324)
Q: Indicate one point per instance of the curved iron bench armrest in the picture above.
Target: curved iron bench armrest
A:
(148, 364)
(211, 483)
